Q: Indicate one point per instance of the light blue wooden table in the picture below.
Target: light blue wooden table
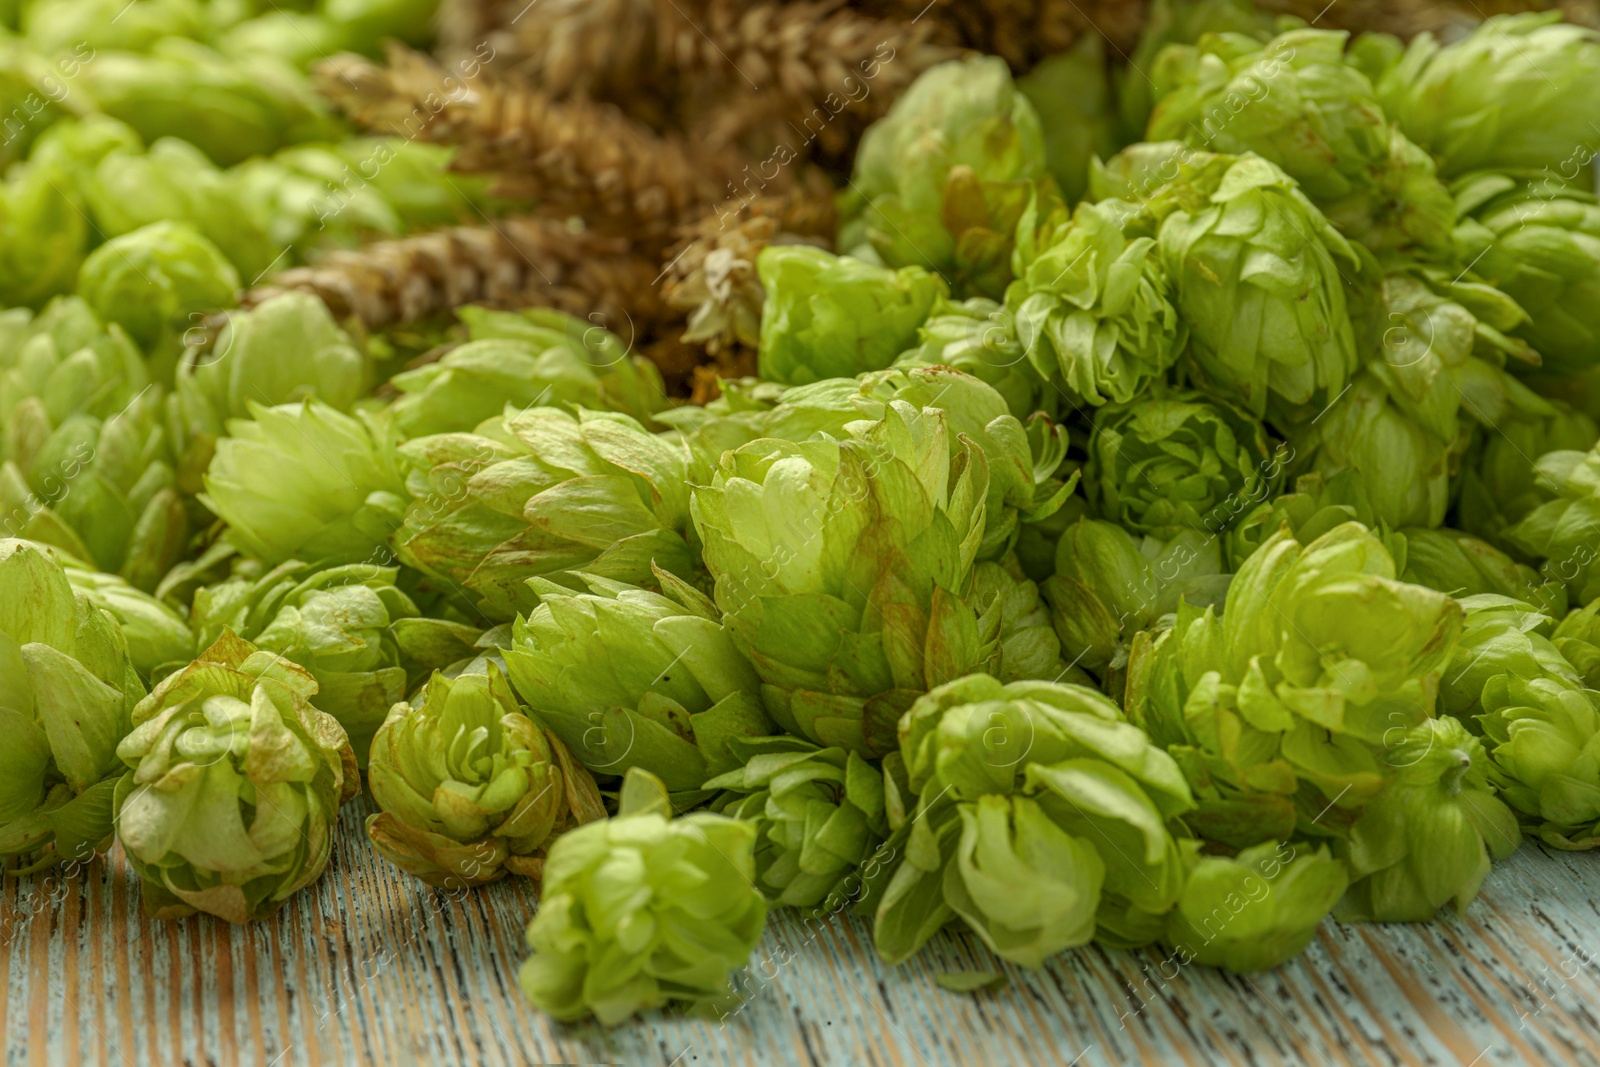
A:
(370, 966)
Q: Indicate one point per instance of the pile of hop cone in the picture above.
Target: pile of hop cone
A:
(1068, 471)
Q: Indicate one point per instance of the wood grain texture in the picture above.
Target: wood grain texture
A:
(372, 967)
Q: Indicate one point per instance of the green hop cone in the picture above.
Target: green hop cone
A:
(156, 634)
(305, 481)
(941, 180)
(1280, 707)
(42, 233)
(1022, 457)
(1255, 910)
(1108, 586)
(1029, 647)
(1512, 94)
(1539, 720)
(1293, 101)
(1297, 103)
(65, 361)
(1463, 566)
(85, 468)
(1177, 22)
(1577, 637)
(1042, 821)
(843, 568)
(1562, 530)
(1404, 466)
(153, 282)
(830, 316)
(820, 815)
(80, 143)
(1497, 483)
(66, 692)
(544, 493)
(231, 108)
(129, 187)
(1093, 307)
(1260, 280)
(979, 337)
(1313, 507)
(101, 489)
(1541, 733)
(631, 678)
(611, 936)
(311, 197)
(1072, 95)
(470, 788)
(1178, 462)
(1428, 840)
(1538, 239)
(336, 622)
(285, 350)
(1503, 636)
(299, 38)
(539, 358)
(96, 25)
(233, 785)
(1445, 347)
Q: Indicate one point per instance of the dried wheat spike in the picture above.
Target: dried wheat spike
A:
(469, 30)
(800, 78)
(596, 48)
(1021, 31)
(514, 262)
(572, 158)
(711, 275)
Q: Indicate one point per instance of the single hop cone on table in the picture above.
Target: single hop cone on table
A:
(471, 788)
(644, 909)
(1429, 839)
(1540, 722)
(233, 784)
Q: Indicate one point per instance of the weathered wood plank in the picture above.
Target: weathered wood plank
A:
(372, 967)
